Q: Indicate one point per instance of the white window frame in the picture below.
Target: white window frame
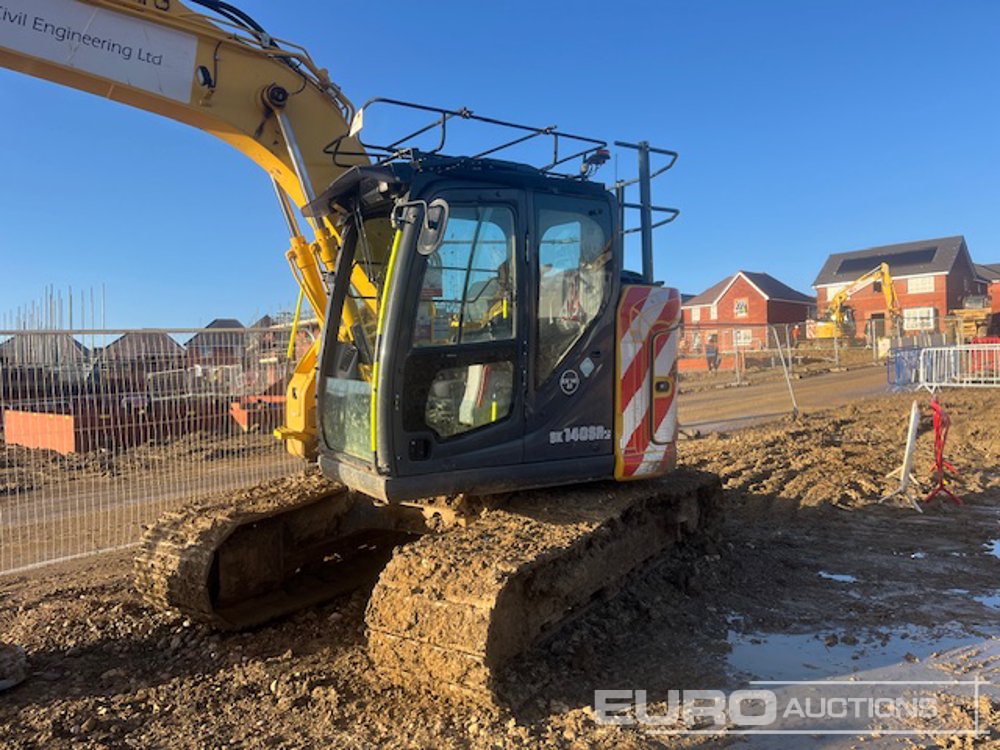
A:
(920, 285)
(919, 319)
(833, 290)
(695, 314)
(742, 336)
(713, 312)
(746, 307)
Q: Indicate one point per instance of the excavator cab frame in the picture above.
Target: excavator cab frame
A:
(465, 376)
(490, 325)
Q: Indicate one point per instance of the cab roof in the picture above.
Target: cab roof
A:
(396, 178)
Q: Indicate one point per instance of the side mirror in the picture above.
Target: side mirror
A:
(433, 227)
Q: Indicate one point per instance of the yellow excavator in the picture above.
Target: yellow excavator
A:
(481, 342)
(838, 319)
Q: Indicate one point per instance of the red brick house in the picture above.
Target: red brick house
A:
(737, 310)
(221, 343)
(989, 274)
(931, 277)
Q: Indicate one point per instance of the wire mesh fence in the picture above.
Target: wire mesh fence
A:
(713, 354)
(102, 431)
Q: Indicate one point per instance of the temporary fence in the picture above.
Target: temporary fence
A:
(903, 367)
(968, 366)
(732, 349)
(718, 354)
(102, 431)
(711, 356)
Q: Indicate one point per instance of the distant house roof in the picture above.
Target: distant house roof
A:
(48, 349)
(142, 345)
(769, 287)
(905, 259)
(988, 271)
(225, 338)
(225, 323)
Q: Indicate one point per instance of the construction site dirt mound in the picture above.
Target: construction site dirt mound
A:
(842, 457)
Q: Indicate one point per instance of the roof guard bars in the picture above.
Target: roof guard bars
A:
(645, 205)
(593, 152)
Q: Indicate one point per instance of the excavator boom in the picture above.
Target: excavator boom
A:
(836, 317)
(222, 74)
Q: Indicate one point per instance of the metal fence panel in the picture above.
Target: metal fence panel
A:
(104, 431)
(968, 366)
(903, 367)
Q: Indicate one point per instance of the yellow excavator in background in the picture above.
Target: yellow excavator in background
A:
(838, 319)
(481, 341)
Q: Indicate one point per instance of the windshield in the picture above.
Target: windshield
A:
(346, 382)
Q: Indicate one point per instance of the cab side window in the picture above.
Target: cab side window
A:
(574, 259)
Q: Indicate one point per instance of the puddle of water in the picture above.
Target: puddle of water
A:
(841, 577)
(989, 600)
(993, 547)
(918, 556)
(806, 656)
(957, 592)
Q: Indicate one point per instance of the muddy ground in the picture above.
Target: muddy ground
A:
(809, 577)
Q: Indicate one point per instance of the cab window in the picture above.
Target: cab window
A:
(467, 291)
(574, 263)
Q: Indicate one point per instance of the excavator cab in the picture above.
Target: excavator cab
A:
(489, 326)
(479, 348)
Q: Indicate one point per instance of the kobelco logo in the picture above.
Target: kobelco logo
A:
(569, 382)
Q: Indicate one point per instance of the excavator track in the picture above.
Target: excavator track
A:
(450, 611)
(238, 561)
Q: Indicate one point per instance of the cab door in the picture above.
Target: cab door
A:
(458, 375)
(575, 262)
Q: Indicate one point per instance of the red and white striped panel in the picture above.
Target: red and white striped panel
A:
(646, 416)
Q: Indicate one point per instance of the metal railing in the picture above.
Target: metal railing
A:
(968, 366)
(102, 431)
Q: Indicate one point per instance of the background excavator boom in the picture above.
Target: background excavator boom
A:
(836, 318)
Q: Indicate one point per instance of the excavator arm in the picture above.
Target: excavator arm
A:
(835, 309)
(222, 74)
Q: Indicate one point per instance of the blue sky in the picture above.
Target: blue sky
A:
(804, 128)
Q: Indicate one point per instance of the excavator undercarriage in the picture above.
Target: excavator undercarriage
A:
(456, 593)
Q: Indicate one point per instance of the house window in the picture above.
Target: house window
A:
(741, 308)
(918, 319)
(713, 312)
(920, 285)
(743, 337)
(834, 290)
(695, 314)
